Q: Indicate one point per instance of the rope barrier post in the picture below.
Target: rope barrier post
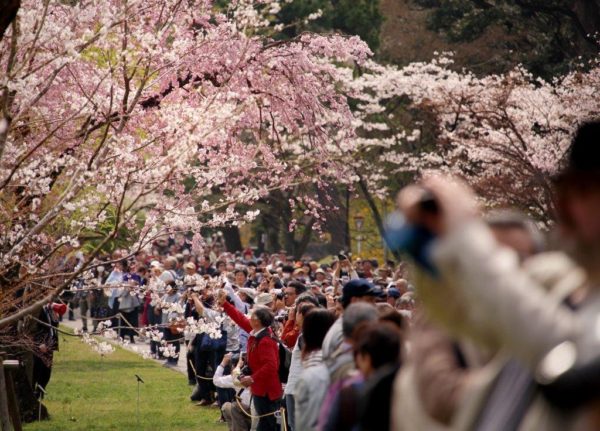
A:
(283, 419)
(13, 403)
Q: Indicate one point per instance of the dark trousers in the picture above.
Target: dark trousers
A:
(264, 405)
(154, 319)
(225, 396)
(129, 318)
(289, 411)
(113, 312)
(203, 361)
(98, 312)
(83, 308)
(169, 337)
(41, 374)
(189, 360)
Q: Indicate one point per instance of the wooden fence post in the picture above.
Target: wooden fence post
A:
(4, 415)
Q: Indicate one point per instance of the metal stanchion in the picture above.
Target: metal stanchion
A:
(139, 380)
(42, 392)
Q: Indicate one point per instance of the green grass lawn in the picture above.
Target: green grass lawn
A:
(90, 393)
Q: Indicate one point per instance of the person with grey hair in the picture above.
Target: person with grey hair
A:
(356, 314)
(357, 290)
(262, 372)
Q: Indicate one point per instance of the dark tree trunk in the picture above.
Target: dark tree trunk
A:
(276, 221)
(8, 12)
(233, 242)
(301, 244)
(271, 227)
(337, 222)
(588, 15)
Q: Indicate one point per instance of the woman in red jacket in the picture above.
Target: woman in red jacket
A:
(263, 361)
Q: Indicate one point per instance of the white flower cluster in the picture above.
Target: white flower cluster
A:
(202, 326)
(104, 329)
(168, 350)
(102, 347)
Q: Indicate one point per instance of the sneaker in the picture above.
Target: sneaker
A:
(196, 394)
(203, 403)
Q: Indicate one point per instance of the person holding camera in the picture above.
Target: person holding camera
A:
(227, 378)
(262, 373)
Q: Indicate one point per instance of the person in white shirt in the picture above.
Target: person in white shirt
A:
(236, 419)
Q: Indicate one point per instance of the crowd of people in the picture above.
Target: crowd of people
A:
(273, 314)
(492, 327)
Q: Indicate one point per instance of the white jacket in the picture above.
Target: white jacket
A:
(227, 382)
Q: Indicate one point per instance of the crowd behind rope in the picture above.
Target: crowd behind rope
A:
(503, 336)
(260, 305)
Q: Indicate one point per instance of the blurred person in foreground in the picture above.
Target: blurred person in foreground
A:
(441, 368)
(476, 289)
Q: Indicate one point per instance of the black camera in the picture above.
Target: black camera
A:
(246, 371)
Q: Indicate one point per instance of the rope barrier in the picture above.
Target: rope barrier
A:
(237, 399)
(112, 327)
(196, 373)
(281, 411)
(61, 331)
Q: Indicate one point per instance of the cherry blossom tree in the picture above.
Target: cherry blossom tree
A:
(506, 134)
(168, 115)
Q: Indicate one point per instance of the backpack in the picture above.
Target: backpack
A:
(285, 355)
(208, 344)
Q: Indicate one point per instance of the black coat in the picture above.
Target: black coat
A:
(45, 334)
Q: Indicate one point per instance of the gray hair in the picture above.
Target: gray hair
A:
(356, 314)
(264, 316)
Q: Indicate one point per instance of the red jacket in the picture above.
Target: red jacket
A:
(290, 333)
(263, 358)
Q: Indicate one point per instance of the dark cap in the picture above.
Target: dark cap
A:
(393, 292)
(357, 288)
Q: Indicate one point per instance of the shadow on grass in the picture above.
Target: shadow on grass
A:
(83, 366)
